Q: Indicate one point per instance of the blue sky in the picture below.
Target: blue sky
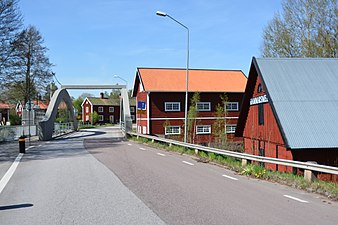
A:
(90, 41)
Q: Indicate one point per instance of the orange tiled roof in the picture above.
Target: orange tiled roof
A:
(173, 80)
(4, 105)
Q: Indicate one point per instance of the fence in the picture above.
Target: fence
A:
(308, 167)
(62, 128)
(11, 133)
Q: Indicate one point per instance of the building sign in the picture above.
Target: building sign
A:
(141, 105)
(259, 100)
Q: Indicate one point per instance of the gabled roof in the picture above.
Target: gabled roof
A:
(104, 101)
(303, 95)
(4, 105)
(201, 80)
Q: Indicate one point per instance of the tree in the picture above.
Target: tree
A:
(219, 126)
(10, 23)
(305, 28)
(192, 115)
(77, 105)
(49, 91)
(31, 67)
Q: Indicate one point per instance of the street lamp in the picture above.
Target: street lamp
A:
(159, 13)
(117, 76)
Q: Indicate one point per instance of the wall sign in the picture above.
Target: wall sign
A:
(141, 105)
(259, 100)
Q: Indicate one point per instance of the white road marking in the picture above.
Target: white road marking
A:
(39, 145)
(296, 199)
(190, 164)
(4, 180)
(160, 154)
(232, 178)
(143, 149)
(30, 147)
(130, 144)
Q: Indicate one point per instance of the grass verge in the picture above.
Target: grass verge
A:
(328, 189)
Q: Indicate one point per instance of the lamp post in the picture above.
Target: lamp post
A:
(117, 76)
(159, 13)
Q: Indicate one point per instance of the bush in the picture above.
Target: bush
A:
(14, 119)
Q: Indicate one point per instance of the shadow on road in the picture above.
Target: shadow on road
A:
(18, 206)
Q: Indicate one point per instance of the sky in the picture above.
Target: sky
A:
(90, 41)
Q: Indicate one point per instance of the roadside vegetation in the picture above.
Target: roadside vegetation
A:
(328, 189)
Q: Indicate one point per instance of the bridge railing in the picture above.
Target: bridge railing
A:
(307, 166)
(63, 128)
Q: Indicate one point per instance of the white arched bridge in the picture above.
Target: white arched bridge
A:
(46, 126)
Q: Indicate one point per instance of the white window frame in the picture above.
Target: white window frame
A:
(169, 130)
(101, 118)
(203, 129)
(203, 104)
(168, 104)
(111, 109)
(230, 128)
(233, 106)
(87, 109)
(132, 109)
(100, 109)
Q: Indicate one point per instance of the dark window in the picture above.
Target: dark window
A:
(259, 89)
(260, 114)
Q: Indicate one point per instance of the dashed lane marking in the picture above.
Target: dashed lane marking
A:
(160, 154)
(296, 199)
(4, 180)
(188, 163)
(143, 149)
(130, 144)
(229, 177)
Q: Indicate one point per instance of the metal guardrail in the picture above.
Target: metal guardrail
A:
(284, 162)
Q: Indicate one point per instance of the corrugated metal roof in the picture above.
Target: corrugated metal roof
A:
(304, 94)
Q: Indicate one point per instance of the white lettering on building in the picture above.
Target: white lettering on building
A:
(259, 100)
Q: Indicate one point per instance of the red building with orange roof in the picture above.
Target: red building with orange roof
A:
(160, 100)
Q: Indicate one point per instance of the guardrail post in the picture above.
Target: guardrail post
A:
(170, 145)
(244, 162)
(152, 140)
(308, 174)
(137, 136)
(196, 151)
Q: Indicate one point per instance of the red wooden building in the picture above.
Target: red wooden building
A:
(107, 109)
(160, 98)
(289, 111)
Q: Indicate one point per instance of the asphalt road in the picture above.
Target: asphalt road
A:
(92, 178)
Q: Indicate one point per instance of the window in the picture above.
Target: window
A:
(132, 117)
(173, 130)
(172, 106)
(111, 109)
(232, 106)
(260, 114)
(259, 89)
(100, 117)
(230, 128)
(203, 106)
(87, 109)
(132, 109)
(111, 118)
(87, 117)
(100, 109)
(203, 129)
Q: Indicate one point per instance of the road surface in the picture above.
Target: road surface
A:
(92, 178)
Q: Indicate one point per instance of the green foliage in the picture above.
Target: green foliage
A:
(14, 119)
(77, 105)
(192, 114)
(254, 170)
(62, 116)
(219, 126)
(94, 117)
(304, 28)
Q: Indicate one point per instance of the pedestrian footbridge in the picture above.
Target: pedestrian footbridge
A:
(46, 126)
